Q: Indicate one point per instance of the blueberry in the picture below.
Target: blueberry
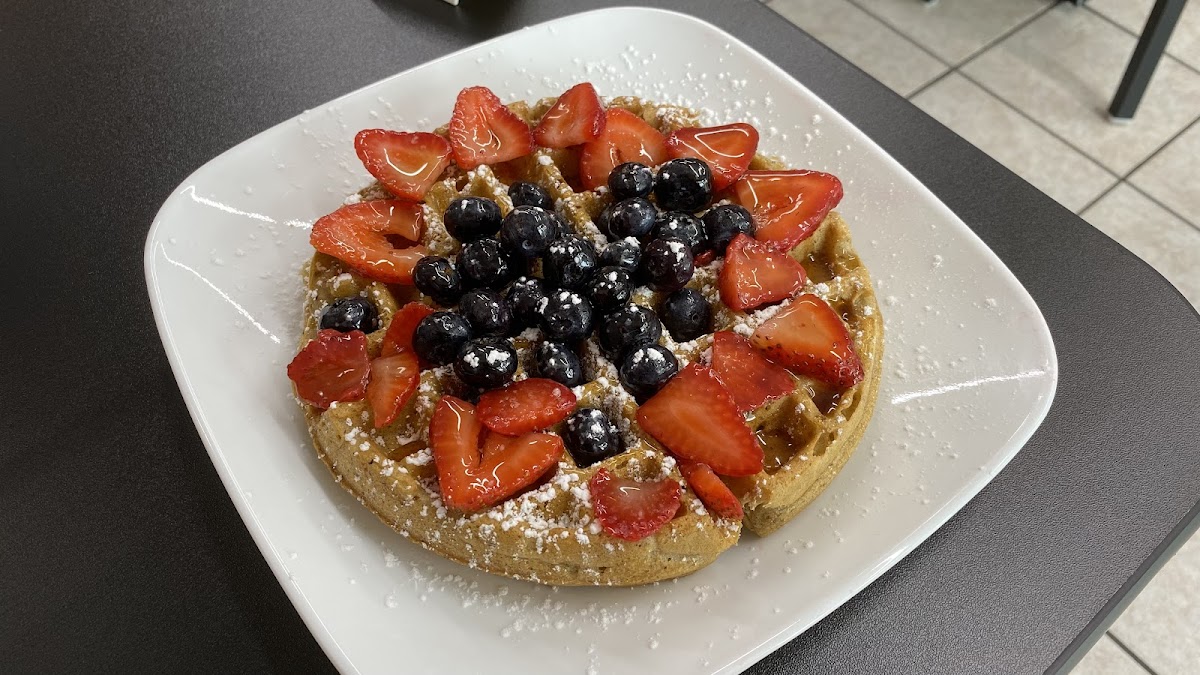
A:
(439, 336)
(667, 264)
(556, 361)
(486, 311)
(530, 194)
(630, 180)
(352, 313)
(471, 218)
(686, 314)
(625, 253)
(528, 230)
(629, 218)
(566, 315)
(683, 226)
(723, 223)
(523, 298)
(561, 227)
(485, 263)
(591, 436)
(436, 277)
(646, 369)
(610, 288)
(628, 327)
(568, 262)
(683, 185)
(486, 363)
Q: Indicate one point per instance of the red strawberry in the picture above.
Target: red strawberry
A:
(528, 405)
(716, 495)
(394, 380)
(727, 149)
(406, 162)
(695, 417)
(755, 273)
(705, 257)
(576, 117)
(358, 235)
(787, 206)
(474, 476)
(747, 374)
(626, 138)
(483, 131)
(810, 339)
(399, 333)
(629, 509)
(332, 367)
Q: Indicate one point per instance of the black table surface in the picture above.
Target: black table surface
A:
(120, 548)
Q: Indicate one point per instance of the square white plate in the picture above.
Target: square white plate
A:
(969, 373)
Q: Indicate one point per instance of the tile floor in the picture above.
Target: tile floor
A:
(1028, 82)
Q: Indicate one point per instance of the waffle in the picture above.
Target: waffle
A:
(548, 533)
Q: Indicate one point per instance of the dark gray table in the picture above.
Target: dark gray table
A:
(119, 549)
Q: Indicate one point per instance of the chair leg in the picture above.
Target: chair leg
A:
(1145, 57)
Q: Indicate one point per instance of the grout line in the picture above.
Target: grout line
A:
(1187, 127)
(932, 82)
(918, 45)
(1138, 36)
(1102, 195)
(1004, 36)
(1163, 206)
(1131, 653)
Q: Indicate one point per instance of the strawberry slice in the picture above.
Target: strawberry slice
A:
(394, 380)
(705, 258)
(484, 131)
(810, 339)
(528, 405)
(333, 366)
(400, 332)
(716, 495)
(727, 149)
(626, 138)
(406, 162)
(756, 273)
(576, 117)
(695, 417)
(358, 235)
(630, 509)
(474, 476)
(787, 206)
(746, 373)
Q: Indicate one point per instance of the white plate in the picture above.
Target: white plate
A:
(969, 373)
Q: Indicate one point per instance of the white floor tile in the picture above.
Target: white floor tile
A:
(1173, 175)
(864, 41)
(1185, 41)
(1062, 70)
(1107, 658)
(953, 29)
(1162, 625)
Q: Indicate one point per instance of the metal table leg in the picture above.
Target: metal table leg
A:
(1145, 57)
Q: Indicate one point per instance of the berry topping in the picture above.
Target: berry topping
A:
(436, 277)
(629, 218)
(530, 194)
(809, 338)
(628, 327)
(626, 138)
(561, 227)
(486, 263)
(629, 509)
(705, 258)
(486, 363)
(358, 235)
(683, 185)
(756, 273)
(625, 253)
(399, 335)
(566, 315)
(568, 262)
(528, 230)
(667, 264)
(746, 373)
(523, 297)
(471, 218)
(393, 382)
(486, 311)
(645, 370)
(591, 437)
(576, 117)
(630, 180)
(528, 405)
(686, 314)
(483, 131)
(713, 493)
(471, 477)
(726, 149)
(695, 417)
(722, 223)
(332, 367)
(352, 313)
(406, 162)
(610, 288)
(683, 226)
(439, 336)
(787, 206)
(556, 361)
